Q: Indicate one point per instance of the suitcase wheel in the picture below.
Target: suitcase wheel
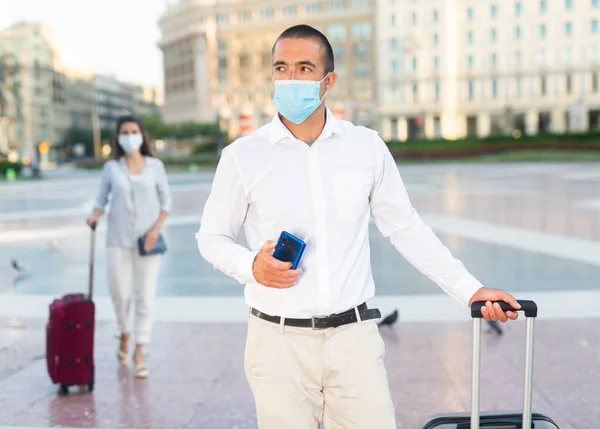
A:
(64, 389)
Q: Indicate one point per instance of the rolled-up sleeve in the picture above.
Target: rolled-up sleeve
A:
(224, 214)
(163, 189)
(104, 190)
(397, 219)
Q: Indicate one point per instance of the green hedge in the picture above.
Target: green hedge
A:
(5, 165)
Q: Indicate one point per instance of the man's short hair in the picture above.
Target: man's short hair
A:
(304, 31)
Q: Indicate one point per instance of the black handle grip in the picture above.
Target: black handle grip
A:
(496, 422)
(528, 307)
(93, 226)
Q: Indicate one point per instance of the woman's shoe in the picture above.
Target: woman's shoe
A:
(122, 356)
(140, 371)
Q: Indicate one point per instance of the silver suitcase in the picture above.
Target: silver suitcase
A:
(496, 420)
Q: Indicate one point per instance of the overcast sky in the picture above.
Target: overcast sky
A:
(108, 36)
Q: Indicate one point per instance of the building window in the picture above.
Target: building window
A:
(493, 35)
(336, 32)
(435, 16)
(414, 18)
(361, 50)
(494, 88)
(595, 82)
(595, 4)
(543, 6)
(339, 52)
(393, 20)
(594, 26)
(394, 66)
(543, 86)
(435, 39)
(289, 10)
(568, 28)
(593, 53)
(470, 14)
(568, 4)
(518, 8)
(542, 31)
(519, 86)
(436, 63)
(266, 13)
(470, 61)
(470, 37)
(244, 15)
(494, 60)
(437, 91)
(414, 64)
(394, 44)
(569, 84)
(222, 18)
(312, 8)
(494, 11)
(222, 45)
(361, 30)
(362, 70)
(518, 33)
(223, 63)
(415, 91)
(336, 4)
(518, 58)
(471, 89)
(361, 4)
(568, 54)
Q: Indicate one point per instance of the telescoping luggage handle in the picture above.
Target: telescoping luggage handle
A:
(92, 248)
(530, 310)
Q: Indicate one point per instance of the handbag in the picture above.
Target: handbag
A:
(160, 246)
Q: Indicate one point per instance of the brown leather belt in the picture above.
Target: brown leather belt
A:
(324, 322)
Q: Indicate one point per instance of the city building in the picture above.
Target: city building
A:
(217, 58)
(456, 68)
(34, 98)
(40, 98)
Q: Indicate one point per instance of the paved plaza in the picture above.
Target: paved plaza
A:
(532, 229)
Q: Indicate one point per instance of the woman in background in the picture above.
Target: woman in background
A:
(141, 201)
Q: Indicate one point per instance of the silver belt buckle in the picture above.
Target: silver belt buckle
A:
(312, 320)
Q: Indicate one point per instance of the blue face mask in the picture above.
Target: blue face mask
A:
(296, 100)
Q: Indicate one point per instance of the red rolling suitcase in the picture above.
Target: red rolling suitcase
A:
(497, 420)
(70, 336)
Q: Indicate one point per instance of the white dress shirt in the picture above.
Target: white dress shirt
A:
(269, 182)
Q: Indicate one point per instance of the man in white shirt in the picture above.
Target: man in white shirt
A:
(313, 351)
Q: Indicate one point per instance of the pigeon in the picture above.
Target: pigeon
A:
(495, 326)
(19, 272)
(390, 319)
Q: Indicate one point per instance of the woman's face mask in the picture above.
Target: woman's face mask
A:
(130, 142)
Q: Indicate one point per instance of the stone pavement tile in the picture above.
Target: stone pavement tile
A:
(197, 378)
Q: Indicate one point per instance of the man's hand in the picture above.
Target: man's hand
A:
(150, 239)
(493, 311)
(272, 272)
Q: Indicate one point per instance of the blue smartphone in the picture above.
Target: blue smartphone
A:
(289, 249)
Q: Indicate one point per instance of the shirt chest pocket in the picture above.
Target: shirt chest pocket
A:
(351, 195)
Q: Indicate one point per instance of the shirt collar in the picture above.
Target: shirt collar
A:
(278, 131)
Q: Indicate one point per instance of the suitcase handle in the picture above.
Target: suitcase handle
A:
(528, 307)
(92, 249)
(500, 422)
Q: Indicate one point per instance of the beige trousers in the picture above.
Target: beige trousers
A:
(301, 377)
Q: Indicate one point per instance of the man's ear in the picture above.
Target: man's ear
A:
(330, 81)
